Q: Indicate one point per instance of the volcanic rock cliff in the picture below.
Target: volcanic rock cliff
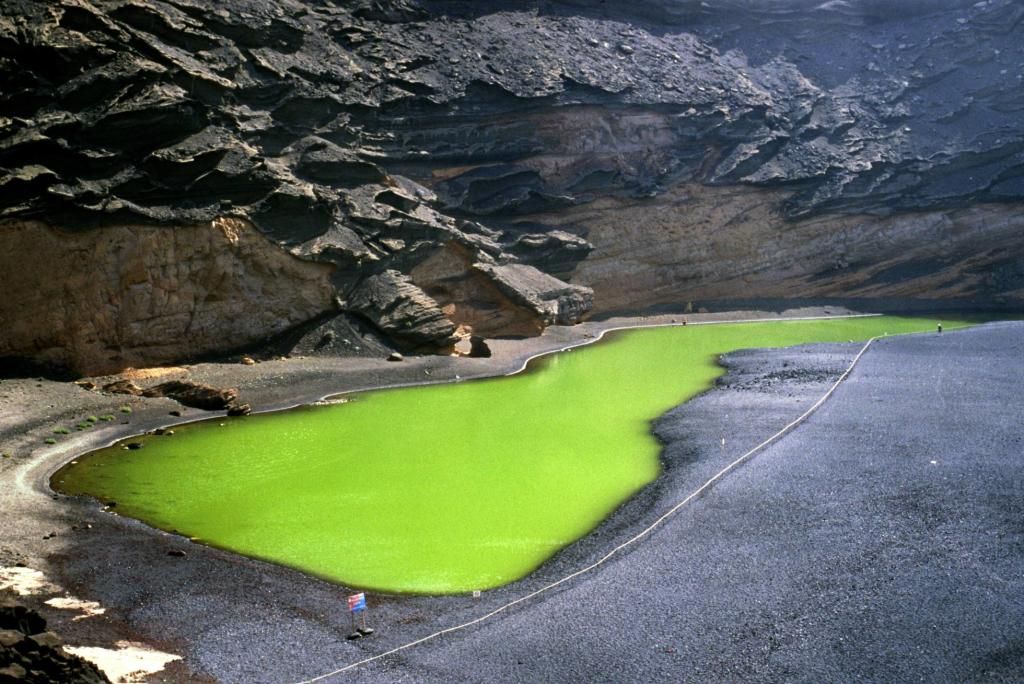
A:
(181, 178)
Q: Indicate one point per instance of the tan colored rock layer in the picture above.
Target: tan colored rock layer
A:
(498, 300)
(100, 301)
(697, 243)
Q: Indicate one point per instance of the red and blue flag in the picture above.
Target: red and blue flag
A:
(357, 602)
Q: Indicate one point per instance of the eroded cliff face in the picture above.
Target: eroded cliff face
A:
(100, 300)
(492, 168)
(732, 243)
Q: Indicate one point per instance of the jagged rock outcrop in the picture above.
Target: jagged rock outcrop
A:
(404, 311)
(492, 299)
(29, 653)
(156, 117)
(553, 300)
(456, 155)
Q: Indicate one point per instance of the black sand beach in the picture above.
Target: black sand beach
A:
(841, 552)
(879, 541)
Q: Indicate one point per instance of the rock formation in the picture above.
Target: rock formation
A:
(442, 168)
(102, 299)
(29, 653)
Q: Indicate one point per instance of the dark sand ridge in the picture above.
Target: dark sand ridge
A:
(205, 606)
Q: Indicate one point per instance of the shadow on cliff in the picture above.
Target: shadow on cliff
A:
(13, 367)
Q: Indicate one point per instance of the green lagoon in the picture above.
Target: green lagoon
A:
(438, 489)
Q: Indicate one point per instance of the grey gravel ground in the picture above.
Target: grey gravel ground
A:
(841, 554)
(880, 541)
(235, 619)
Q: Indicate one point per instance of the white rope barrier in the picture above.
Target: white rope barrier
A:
(608, 556)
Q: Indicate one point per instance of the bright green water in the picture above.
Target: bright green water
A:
(438, 489)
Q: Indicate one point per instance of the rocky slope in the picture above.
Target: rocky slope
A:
(445, 168)
(31, 654)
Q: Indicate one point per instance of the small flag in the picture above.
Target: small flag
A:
(357, 602)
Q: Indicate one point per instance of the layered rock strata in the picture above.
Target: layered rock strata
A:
(476, 168)
(727, 243)
(101, 300)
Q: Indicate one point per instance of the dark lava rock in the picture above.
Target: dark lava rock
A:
(380, 136)
(176, 553)
(164, 112)
(404, 311)
(478, 348)
(323, 161)
(14, 616)
(555, 251)
(336, 334)
(29, 653)
(155, 113)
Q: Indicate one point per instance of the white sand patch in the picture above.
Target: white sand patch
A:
(26, 581)
(87, 608)
(129, 662)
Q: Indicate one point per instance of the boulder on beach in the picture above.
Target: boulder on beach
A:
(194, 394)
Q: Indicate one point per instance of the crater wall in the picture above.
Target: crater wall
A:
(450, 168)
